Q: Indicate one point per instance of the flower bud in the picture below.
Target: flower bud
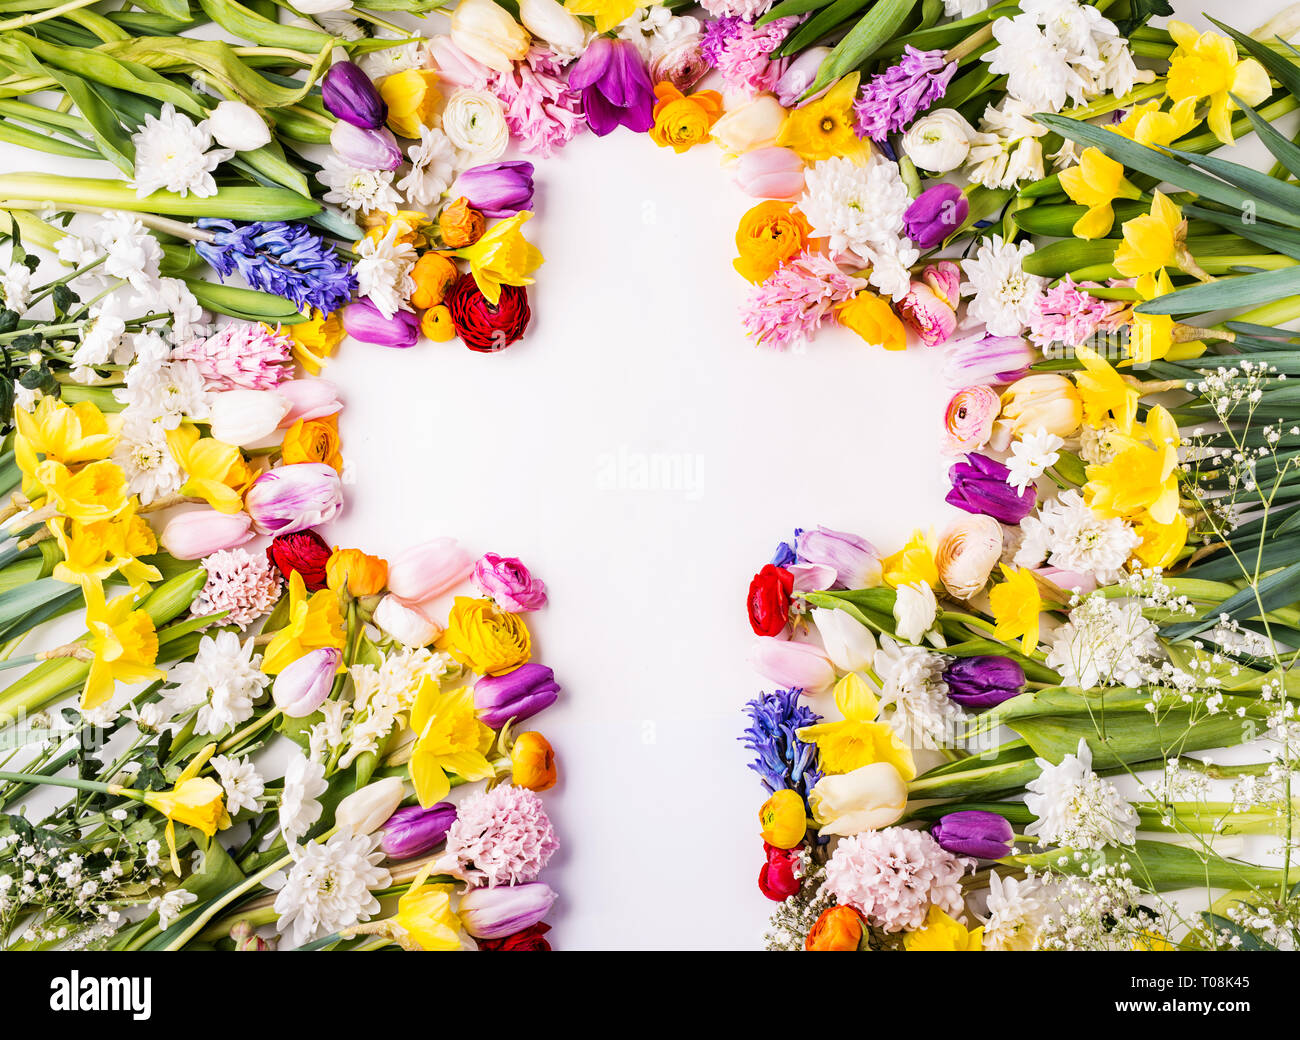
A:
(680, 61)
(939, 141)
(413, 831)
(770, 173)
(246, 940)
(304, 553)
(849, 644)
(357, 572)
(488, 34)
(867, 799)
(493, 913)
(302, 686)
(914, 611)
(935, 214)
(236, 125)
(364, 321)
(987, 359)
(755, 124)
(412, 97)
(839, 928)
(365, 149)
(518, 694)
(549, 20)
(348, 94)
(532, 762)
(243, 417)
(499, 189)
(930, 306)
(309, 398)
(974, 832)
(292, 498)
(979, 485)
(967, 553)
(460, 224)
(407, 625)
(364, 811)
(508, 582)
(982, 682)
(795, 666)
(200, 532)
(856, 561)
(428, 569)
(783, 819)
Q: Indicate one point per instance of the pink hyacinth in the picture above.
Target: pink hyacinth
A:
(501, 837)
(243, 584)
(791, 305)
(541, 111)
(750, 10)
(893, 877)
(242, 356)
(1068, 314)
(743, 55)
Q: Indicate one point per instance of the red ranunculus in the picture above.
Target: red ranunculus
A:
(531, 939)
(778, 879)
(479, 324)
(305, 552)
(769, 600)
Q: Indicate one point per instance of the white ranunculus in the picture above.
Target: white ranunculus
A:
(236, 125)
(939, 141)
(474, 122)
(967, 553)
(849, 644)
(914, 610)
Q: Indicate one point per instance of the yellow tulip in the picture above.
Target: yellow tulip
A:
(825, 127)
(941, 932)
(124, 645)
(314, 622)
(606, 13)
(214, 471)
(412, 97)
(1096, 182)
(449, 739)
(1205, 66)
(1045, 401)
(502, 257)
(783, 819)
(425, 917)
(1017, 607)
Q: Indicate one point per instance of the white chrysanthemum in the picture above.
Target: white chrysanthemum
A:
(304, 779)
(1004, 297)
(103, 337)
(223, 682)
(653, 28)
(912, 684)
(169, 392)
(383, 270)
(173, 296)
(329, 886)
(16, 287)
(1098, 444)
(130, 251)
(433, 167)
(1075, 807)
(475, 123)
(1105, 643)
(386, 61)
(1015, 913)
(357, 189)
(1038, 73)
(964, 8)
(1006, 150)
(172, 152)
(240, 781)
(1031, 456)
(146, 460)
(1070, 536)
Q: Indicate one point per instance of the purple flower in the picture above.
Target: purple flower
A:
(935, 214)
(293, 498)
(498, 189)
(365, 149)
(982, 682)
(979, 485)
(494, 913)
(986, 359)
(615, 87)
(718, 34)
(363, 321)
(517, 695)
(510, 584)
(854, 560)
(785, 556)
(304, 684)
(280, 258)
(348, 94)
(974, 832)
(781, 759)
(891, 100)
(413, 831)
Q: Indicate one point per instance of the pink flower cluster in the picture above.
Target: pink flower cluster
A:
(743, 55)
(791, 305)
(541, 111)
(893, 876)
(501, 837)
(1068, 314)
(243, 355)
(243, 584)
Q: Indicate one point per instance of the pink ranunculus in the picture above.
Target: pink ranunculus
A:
(508, 582)
(309, 398)
(968, 419)
(796, 666)
(770, 173)
(930, 307)
(429, 569)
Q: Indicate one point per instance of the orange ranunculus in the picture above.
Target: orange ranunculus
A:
(352, 569)
(532, 762)
(436, 324)
(460, 224)
(838, 928)
(680, 121)
(313, 440)
(434, 274)
(769, 235)
(872, 318)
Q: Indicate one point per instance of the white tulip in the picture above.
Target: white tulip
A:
(406, 624)
(487, 33)
(243, 417)
(367, 810)
(236, 125)
(939, 141)
(866, 799)
(549, 20)
(849, 644)
(914, 610)
(321, 6)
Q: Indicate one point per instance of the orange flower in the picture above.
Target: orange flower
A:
(352, 569)
(872, 318)
(313, 440)
(680, 121)
(769, 235)
(434, 275)
(436, 324)
(532, 762)
(838, 928)
(460, 224)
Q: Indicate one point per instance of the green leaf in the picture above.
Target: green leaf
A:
(1244, 291)
(24, 599)
(247, 304)
(1284, 151)
(1158, 866)
(1276, 590)
(819, 25)
(236, 203)
(1278, 192)
(248, 24)
(873, 31)
(790, 8)
(1141, 12)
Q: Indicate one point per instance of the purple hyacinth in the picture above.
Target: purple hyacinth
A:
(281, 258)
(890, 101)
(783, 760)
(717, 35)
(785, 555)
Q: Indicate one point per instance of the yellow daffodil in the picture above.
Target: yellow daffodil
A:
(1104, 392)
(124, 645)
(913, 562)
(1142, 476)
(91, 552)
(315, 339)
(502, 257)
(1152, 242)
(214, 471)
(1157, 337)
(857, 740)
(606, 13)
(941, 932)
(824, 128)
(1148, 124)
(1161, 544)
(1017, 607)
(425, 916)
(97, 491)
(71, 434)
(1205, 66)
(314, 622)
(449, 738)
(196, 801)
(1096, 182)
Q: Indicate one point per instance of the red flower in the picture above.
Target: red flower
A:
(769, 600)
(778, 879)
(480, 325)
(531, 940)
(305, 552)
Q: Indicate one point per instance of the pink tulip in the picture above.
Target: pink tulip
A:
(309, 399)
(930, 306)
(428, 570)
(200, 532)
(455, 66)
(812, 577)
(1070, 581)
(770, 173)
(794, 666)
(302, 686)
(293, 498)
(799, 75)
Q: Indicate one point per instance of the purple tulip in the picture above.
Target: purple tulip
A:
(974, 832)
(365, 149)
(363, 321)
(854, 559)
(349, 95)
(987, 359)
(982, 682)
(293, 498)
(302, 686)
(935, 214)
(497, 189)
(979, 485)
(518, 695)
(413, 831)
(494, 913)
(615, 86)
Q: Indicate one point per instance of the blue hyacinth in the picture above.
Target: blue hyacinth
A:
(285, 259)
(783, 760)
(785, 555)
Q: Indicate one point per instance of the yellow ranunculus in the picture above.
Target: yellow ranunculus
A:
(1143, 475)
(783, 819)
(124, 645)
(314, 622)
(824, 128)
(1017, 607)
(1096, 182)
(315, 339)
(412, 98)
(857, 740)
(1206, 66)
(941, 932)
(681, 122)
(502, 257)
(485, 639)
(97, 491)
(1152, 242)
(449, 738)
(606, 13)
(1104, 392)
(913, 562)
(214, 471)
